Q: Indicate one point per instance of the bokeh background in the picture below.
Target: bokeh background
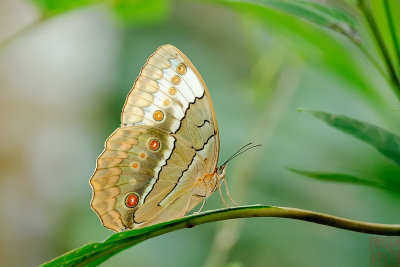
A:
(63, 82)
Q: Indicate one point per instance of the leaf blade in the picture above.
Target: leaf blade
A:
(95, 253)
(333, 177)
(387, 143)
(142, 12)
(52, 8)
(310, 38)
(387, 184)
(317, 13)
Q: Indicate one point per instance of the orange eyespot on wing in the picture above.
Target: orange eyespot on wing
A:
(154, 144)
(172, 90)
(181, 69)
(135, 165)
(176, 79)
(166, 102)
(131, 200)
(158, 115)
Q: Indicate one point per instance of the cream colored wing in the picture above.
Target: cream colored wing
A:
(152, 167)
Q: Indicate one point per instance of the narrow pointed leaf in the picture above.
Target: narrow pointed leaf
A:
(51, 7)
(143, 12)
(333, 177)
(330, 51)
(384, 141)
(320, 14)
(93, 254)
(346, 178)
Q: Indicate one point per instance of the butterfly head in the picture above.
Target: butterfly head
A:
(221, 172)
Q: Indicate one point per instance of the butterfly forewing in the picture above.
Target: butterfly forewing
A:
(152, 167)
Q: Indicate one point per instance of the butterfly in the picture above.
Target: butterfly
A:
(162, 161)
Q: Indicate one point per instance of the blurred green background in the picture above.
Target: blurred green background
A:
(63, 84)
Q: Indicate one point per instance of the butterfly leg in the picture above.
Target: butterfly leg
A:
(201, 208)
(223, 200)
(229, 195)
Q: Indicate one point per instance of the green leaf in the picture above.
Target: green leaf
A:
(315, 45)
(384, 141)
(345, 178)
(333, 177)
(55, 7)
(95, 253)
(140, 12)
(134, 12)
(320, 14)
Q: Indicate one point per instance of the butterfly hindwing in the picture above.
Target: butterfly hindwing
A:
(152, 167)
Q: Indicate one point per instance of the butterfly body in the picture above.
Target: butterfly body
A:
(162, 161)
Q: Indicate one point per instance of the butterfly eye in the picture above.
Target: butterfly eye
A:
(131, 200)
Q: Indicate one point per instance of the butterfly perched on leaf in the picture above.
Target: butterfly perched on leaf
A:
(162, 161)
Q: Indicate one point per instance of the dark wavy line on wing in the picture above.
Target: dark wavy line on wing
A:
(204, 122)
(188, 167)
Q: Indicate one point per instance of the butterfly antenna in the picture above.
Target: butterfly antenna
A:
(246, 150)
(236, 153)
(241, 151)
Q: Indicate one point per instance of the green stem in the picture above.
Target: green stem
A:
(393, 85)
(95, 253)
(370, 19)
(392, 31)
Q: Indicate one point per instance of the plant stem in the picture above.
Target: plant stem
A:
(370, 19)
(392, 31)
(99, 252)
(298, 214)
